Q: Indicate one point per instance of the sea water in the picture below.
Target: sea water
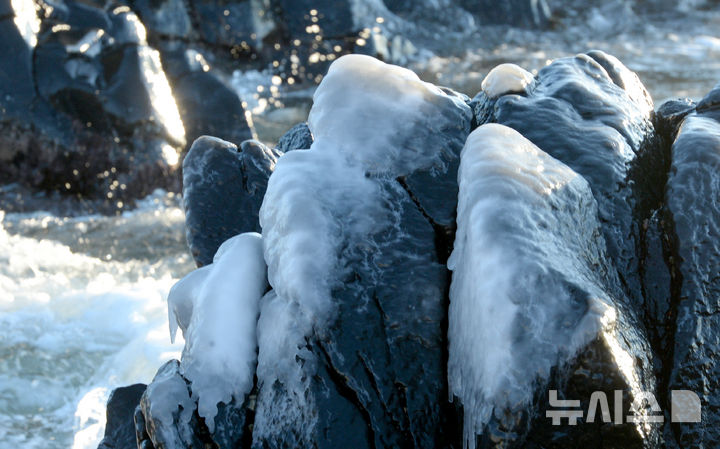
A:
(82, 311)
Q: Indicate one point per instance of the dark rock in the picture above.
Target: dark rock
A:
(91, 125)
(227, 23)
(223, 189)
(6, 9)
(297, 138)
(378, 376)
(120, 425)
(710, 103)
(693, 204)
(669, 117)
(165, 18)
(334, 18)
(16, 86)
(397, 398)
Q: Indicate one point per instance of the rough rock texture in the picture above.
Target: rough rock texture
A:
(119, 429)
(170, 391)
(223, 188)
(593, 114)
(693, 206)
(98, 103)
(298, 137)
(90, 115)
(359, 373)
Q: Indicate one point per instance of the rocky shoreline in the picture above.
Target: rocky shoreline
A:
(617, 306)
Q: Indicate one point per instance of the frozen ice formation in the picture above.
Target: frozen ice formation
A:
(217, 308)
(506, 79)
(525, 292)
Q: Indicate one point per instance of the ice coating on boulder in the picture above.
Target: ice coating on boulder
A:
(371, 121)
(181, 299)
(505, 79)
(528, 289)
(217, 308)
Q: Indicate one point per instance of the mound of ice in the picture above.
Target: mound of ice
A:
(371, 121)
(529, 273)
(506, 79)
(217, 309)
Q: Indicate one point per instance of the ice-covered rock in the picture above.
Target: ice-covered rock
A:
(340, 232)
(166, 415)
(534, 294)
(217, 308)
(594, 115)
(220, 337)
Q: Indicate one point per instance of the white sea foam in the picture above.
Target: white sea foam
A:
(75, 326)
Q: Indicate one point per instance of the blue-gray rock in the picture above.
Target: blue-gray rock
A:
(223, 188)
(693, 205)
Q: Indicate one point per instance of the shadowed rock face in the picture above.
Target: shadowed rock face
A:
(91, 114)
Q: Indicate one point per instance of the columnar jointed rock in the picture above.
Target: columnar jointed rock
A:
(579, 266)
(693, 202)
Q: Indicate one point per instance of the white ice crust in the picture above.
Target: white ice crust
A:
(217, 308)
(505, 79)
(525, 221)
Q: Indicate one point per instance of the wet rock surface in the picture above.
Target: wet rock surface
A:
(581, 112)
(693, 207)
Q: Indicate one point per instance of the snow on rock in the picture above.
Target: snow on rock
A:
(531, 285)
(505, 79)
(217, 308)
(372, 122)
